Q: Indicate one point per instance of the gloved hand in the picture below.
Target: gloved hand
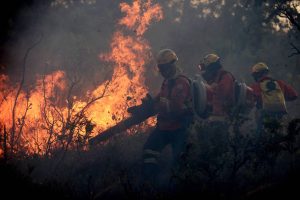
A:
(147, 99)
(133, 109)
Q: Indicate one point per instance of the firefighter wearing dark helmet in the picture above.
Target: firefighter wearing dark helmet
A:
(270, 96)
(174, 114)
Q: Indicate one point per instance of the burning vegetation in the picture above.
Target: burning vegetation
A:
(49, 116)
(46, 122)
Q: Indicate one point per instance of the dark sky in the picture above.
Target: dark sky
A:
(9, 12)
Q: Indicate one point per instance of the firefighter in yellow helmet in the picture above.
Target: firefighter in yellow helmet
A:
(174, 114)
(210, 66)
(221, 85)
(214, 131)
(224, 92)
(259, 70)
(270, 96)
(166, 63)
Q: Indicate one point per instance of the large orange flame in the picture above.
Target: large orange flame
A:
(129, 54)
(49, 116)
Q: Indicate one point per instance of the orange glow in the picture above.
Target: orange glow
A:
(31, 107)
(48, 117)
(129, 54)
(139, 16)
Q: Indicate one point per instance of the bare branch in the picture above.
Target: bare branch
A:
(28, 106)
(291, 18)
(297, 50)
(93, 100)
(4, 95)
(19, 90)
(273, 14)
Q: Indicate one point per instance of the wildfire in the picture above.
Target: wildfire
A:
(48, 116)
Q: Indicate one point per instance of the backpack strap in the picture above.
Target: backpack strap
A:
(172, 82)
(183, 76)
(222, 73)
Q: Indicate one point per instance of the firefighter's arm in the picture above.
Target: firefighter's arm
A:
(163, 104)
(255, 93)
(179, 97)
(250, 97)
(161, 101)
(290, 93)
(146, 107)
(174, 106)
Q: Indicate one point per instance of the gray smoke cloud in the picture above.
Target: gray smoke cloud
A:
(73, 36)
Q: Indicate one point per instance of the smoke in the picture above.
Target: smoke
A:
(72, 39)
(75, 33)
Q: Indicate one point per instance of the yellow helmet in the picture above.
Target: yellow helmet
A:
(166, 56)
(209, 59)
(258, 67)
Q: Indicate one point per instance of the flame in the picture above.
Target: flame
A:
(138, 16)
(49, 117)
(30, 109)
(129, 54)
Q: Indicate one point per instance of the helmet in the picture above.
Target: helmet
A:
(259, 67)
(209, 59)
(166, 56)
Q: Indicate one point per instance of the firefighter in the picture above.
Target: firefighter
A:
(213, 132)
(220, 87)
(270, 96)
(222, 92)
(174, 115)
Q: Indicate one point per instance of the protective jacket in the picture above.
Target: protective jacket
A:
(221, 93)
(173, 105)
